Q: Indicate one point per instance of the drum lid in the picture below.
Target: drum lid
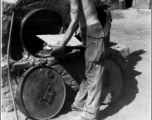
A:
(112, 82)
(42, 92)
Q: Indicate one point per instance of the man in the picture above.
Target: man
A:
(88, 98)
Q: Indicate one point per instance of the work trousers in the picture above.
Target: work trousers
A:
(89, 94)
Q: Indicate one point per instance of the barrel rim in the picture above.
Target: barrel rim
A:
(20, 92)
(23, 24)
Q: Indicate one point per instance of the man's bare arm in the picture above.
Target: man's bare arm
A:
(74, 14)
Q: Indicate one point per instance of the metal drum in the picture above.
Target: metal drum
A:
(41, 93)
(40, 21)
(113, 82)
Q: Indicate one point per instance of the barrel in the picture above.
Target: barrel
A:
(38, 22)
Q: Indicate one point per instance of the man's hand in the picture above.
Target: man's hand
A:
(74, 13)
(58, 49)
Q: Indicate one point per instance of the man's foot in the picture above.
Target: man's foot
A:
(74, 108)
(80, 118)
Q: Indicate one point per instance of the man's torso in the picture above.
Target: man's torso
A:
(87, 13)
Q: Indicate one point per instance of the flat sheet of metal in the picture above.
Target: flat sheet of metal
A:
(54, 40)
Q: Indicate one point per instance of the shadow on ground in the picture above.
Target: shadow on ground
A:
(130, 86)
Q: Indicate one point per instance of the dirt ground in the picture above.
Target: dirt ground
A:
(134, 31)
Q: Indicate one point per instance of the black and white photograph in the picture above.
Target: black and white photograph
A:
(75, 59)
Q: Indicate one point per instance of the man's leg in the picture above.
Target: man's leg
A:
(81, 96)
(94, 74)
